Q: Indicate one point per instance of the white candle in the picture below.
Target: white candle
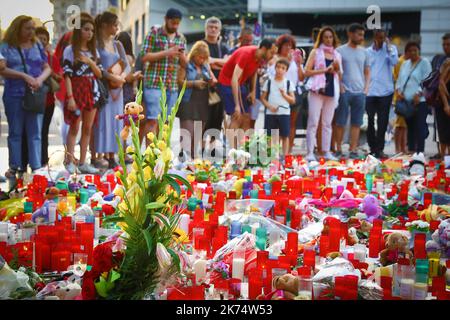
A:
(244, 290)
(380, 187)
(199, 269)
(183, 224)
(274, 236)
(406, 288)
(238, 268)
(420, 291)
(359, 251)
(3, 237)
(52, 212)
(96, 228)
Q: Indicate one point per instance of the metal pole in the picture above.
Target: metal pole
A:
(260, 18)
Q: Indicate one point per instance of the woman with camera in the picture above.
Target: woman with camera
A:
(194, 105)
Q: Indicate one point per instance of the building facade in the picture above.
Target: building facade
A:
(92, 7)
(424, 20)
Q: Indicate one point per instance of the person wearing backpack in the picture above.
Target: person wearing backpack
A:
(277, 96)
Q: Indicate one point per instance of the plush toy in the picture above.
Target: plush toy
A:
(352, 237)
(286, 287)
(433, 212)
(417, 165)
(440, 239)
(396, 247)
(67, 290)
(371, 208)
(42, 214)
(133, 110)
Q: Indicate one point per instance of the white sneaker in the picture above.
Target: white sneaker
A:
(71, 168)
(330, 156)
(88, 169)
(310, 157)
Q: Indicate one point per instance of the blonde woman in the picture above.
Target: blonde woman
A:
(198, 76)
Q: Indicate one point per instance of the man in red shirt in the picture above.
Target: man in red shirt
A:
(240, 67)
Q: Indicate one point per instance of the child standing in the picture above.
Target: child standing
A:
(277, 96)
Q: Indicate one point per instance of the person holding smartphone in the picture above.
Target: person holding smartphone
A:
(383, 57)
(162, 55)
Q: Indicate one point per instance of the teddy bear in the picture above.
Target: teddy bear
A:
(396, 247)
(133, 110)
(417, 165)
(287, 284)
(43, 212)
(371, 207)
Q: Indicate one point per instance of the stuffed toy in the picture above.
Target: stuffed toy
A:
(417, 165)
(433, 212)
(286, 287)
(67, 290)
(133, 110)
(440, 239)
(396, 247)
(42, 214)
(371, 207)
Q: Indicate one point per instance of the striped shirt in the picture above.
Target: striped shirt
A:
(167, 68)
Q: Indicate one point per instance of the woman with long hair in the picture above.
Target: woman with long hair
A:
(26, 69)
(287, 49)
(194, 104)
(116, 69)
(81, 69)
(324, 67)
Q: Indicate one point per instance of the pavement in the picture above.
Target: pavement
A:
(56, 144)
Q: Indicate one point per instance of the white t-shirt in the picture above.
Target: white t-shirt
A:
(276, 99)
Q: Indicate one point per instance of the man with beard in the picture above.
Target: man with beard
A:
(239, 68)
(354, 88)
(162, 54)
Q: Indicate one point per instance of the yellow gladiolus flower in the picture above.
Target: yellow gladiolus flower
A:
(167, 155)
(147, 173)
(130, 149)
(132, 176)
(150, 136)
(135, 166)
(165, 127)
(123, 206)
(119, 191)
(161, 145)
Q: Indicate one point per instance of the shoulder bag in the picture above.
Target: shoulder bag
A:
(405, 108)
(34, 100)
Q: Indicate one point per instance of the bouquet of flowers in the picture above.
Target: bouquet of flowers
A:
(148, 216)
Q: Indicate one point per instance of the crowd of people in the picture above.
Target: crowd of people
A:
(93, 72)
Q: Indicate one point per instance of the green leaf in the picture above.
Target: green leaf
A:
(155, 205)
(113, 219)
(173, 184)
(182, 180)
(163, 219)
(148, 240)
(175, 258)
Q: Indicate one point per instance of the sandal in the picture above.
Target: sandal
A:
(100, 163)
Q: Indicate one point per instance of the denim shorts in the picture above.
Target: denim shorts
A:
(151, 99)
(281, 122)
(353, 103)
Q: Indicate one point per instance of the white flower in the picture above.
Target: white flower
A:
(163, 256)
(158, 170)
